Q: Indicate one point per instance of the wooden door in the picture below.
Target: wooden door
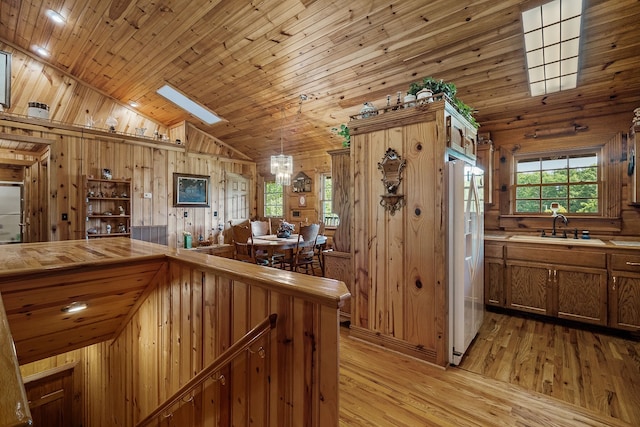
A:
(581, 294)
(51, 399)
(237, 197)
(527, 287)
(624, 300)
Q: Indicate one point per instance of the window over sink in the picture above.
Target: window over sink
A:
(573, 180)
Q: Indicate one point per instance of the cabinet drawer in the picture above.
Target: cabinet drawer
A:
(625, 262)
(558, 256)
(493, 250)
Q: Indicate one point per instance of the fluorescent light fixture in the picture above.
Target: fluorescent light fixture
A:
(134, 104)
(552, 42)
(55, 16)
(40, 50)
(74, 307)
(190, 106)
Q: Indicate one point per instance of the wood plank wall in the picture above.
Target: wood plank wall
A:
(185, 323)
(602, 130)
(77, 152)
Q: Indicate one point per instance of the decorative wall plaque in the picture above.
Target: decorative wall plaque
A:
(391, 167)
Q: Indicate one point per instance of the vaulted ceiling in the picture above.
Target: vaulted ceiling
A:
(249, 61)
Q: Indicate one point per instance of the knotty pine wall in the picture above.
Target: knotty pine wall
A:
(602, 128)
(53, 184)
(191, 316)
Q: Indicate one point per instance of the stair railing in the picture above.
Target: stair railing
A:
(220, 362)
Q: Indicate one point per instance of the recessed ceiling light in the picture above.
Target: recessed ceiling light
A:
(55, 16)
(74, 307)
(190, 106)
(40, 50)
(552, 41)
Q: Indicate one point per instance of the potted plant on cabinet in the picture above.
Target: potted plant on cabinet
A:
(343, 131)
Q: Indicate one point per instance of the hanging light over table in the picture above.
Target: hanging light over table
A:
(281, 165)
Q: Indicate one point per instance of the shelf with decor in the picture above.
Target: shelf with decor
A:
(107, 207)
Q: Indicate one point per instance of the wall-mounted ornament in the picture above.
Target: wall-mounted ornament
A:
(301, 183)
(391, 167)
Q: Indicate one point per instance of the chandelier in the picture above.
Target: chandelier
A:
(281, 165)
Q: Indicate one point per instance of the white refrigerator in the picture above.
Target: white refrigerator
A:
(10, 213)
(465, 255)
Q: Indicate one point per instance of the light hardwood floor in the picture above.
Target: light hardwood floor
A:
(596, 371)
(382, 388)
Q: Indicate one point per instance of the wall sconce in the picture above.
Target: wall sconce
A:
(391, 167)
(569, 130)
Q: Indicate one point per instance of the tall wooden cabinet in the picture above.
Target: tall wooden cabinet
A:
(633, 145)
(107, 207)
(400, 272)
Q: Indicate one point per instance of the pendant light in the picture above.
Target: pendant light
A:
(281, 165)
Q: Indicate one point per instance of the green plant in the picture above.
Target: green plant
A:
(450, 90)
(343, 131)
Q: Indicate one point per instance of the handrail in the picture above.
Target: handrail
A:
(224, 359)
(14, 406)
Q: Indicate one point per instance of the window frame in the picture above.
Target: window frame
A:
(332, 218)
(568, 153)
(267, 206)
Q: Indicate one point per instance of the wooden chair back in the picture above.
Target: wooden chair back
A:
(260, 228)
(307, 237)
(242, 243)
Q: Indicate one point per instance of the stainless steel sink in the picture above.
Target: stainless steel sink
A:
(557, 240)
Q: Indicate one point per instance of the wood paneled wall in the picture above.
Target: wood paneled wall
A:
(53, 184)
(76, 153)
(191, 316)
(602, 128)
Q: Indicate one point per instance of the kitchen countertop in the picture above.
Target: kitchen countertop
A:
(594, 242)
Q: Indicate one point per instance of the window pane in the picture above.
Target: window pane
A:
(554, 191)
(584, 206)
(584, 191)
(559, 175)
(528, 178)
(528, 192)
(527, 206)
(584, 174)
(273, 200)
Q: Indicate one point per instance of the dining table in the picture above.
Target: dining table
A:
(271, 243)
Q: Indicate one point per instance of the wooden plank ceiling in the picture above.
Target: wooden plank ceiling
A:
(250, 61)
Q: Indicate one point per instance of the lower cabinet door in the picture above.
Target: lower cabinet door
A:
(528, 287)
(624, 300)
(580, 294)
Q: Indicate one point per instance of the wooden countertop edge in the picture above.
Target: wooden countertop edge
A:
(322, 290)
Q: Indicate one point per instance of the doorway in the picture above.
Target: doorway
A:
(50, 394)
(238, 196)
(11, 208)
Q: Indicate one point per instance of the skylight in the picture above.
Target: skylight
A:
(190, 106)
(552, 42)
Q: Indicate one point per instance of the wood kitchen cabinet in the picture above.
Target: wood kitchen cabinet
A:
(494, 274)
(624, 291)
(574, 290)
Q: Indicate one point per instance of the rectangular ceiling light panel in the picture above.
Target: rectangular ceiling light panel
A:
(552, 42)
(187, 104)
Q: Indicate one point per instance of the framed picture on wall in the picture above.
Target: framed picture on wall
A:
(191, 190)
(5, 79)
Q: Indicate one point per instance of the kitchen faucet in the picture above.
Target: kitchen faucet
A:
(564, 220)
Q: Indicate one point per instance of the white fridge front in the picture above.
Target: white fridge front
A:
(10, 213)
(465, 256)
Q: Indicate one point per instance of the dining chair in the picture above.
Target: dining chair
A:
(243, 245)
(319, 250)
(260, 228)
(304, 252)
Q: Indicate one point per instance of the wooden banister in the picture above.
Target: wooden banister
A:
(221, 361)
(14, 406)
